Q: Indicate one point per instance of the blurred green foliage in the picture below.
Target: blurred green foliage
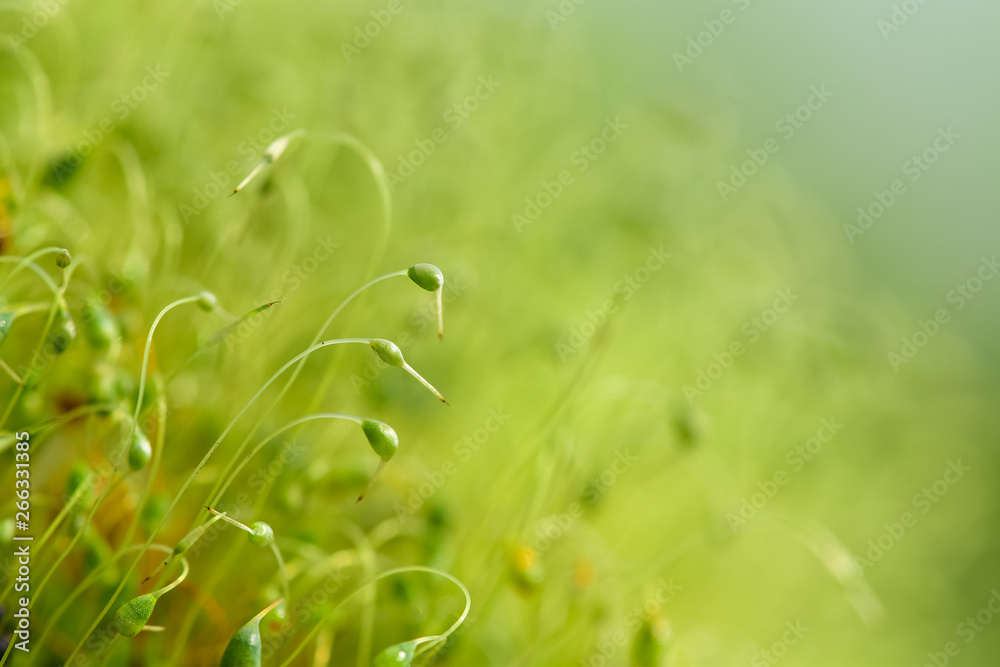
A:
(638, 465)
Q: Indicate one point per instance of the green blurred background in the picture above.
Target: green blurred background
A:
(587, 482)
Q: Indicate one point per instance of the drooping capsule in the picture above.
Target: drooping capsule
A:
(397, 655)
(261, 534)
(131, 617)
(243, 649)
(388, 352)
(384, 441)
(63, 258)
(426, 276)
(207, 301)
(139, 451)
(430, 278)
(381, 437)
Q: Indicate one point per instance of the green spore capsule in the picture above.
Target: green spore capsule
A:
(77, 479)
(426, 276)
(131, 617)
(385, 443)
(430, 278)
(397, 655)
(207, 301)
(139, 451)
(381, 437)
(100, 327)
(63, 258)
(243, 649)
(64, 332)
(388, 352)
(261, 534)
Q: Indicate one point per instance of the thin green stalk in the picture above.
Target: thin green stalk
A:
(37, 547)
(46, 278)
(10, 371)
(35, 307)
(109, 650)
(42, 89)
(222, 565)
(200, 466)
(382, 182)
(214, 500)
(138, 195)
(367, 622)
(43, 427)
(13, 173)
(78, 591)
(331, 370)
(295, 374)
(154, 466)
(26, 262)
(120, 455)
(56, 301)
(387, 573)
(283, 574)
